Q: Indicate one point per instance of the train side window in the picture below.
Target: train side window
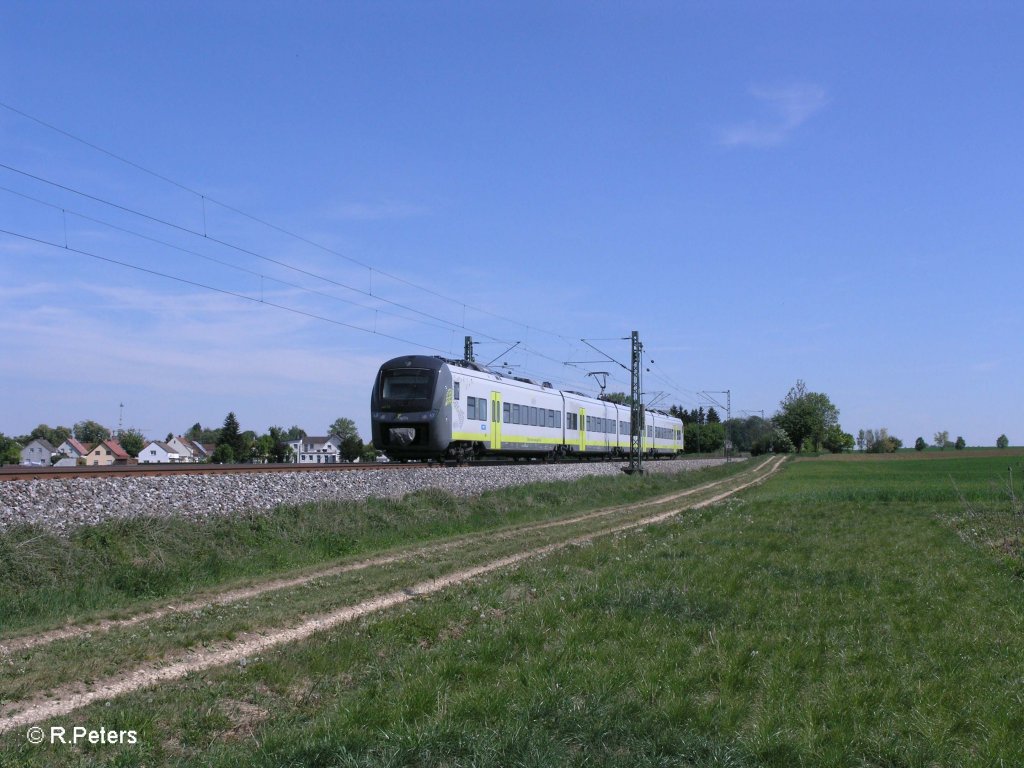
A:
(515, 413)
(470, 407)
(481, 409)
(506, 412)
(456, 390)
(558, 419)
(533, 416)
(551, 418)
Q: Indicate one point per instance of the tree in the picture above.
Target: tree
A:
(713, 417)
(960, 443)
(837, 441)
(942, 439)
(705, 438)
(352, 447)
(1002, 442)
(861, 440)
(231, 436)
(880, 441)
(223, 454)
(806, 416)
(920, 444)
(54, 436)
(744, 432)
(202, 434)
(132, 441)
(775, 441)
(295, 432)
(90, 432)
(620, 398)
(10, 450)
(343, 428)
(279, 451)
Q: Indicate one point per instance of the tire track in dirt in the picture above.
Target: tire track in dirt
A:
(27, 642)
(71, 697)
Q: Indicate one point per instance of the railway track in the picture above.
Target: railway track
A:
(164, 470)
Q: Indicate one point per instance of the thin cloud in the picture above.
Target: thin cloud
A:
(787, 108)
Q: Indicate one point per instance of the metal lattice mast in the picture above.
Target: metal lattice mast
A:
(468, 353)
(636, 421)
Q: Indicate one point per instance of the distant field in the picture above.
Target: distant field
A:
(928, 453)
(845, 613)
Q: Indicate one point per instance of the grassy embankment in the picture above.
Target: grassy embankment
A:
(100, 570)
(846, 613)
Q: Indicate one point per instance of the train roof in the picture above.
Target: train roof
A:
(434, 362)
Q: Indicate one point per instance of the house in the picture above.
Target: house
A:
(316, 450)
(159, 452)
(190, 450)
(38, 453)
(71, 450)
(106, 453)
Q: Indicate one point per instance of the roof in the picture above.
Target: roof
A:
(115, 448)
(79, 447)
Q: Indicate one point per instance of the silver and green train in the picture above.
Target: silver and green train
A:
(432, 408)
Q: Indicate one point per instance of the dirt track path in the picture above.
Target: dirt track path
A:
(226, 597)
(73, 696)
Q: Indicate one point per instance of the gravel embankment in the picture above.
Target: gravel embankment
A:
(61, 505)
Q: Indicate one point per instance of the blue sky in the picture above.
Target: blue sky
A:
(765, 191)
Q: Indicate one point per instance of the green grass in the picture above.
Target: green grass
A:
(839, 615)
(123, 564)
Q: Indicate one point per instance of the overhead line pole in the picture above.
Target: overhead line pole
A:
(636, 421)
(728, 414)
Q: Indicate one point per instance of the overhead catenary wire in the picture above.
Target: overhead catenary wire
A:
(215, 289)
(204, 198)
(213, 259)
(248, 252)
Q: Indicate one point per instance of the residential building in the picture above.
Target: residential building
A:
(159, 452)
(71, 451)
(38, 453)
(106, 453)
(316, 450)
(190, 450)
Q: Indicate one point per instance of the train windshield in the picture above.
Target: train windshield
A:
(407, 385)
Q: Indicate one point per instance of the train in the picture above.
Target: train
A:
(433, 408)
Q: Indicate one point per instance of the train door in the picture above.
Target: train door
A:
(496, 421)
(583, 429)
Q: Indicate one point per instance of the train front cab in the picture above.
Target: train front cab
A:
(409, 408)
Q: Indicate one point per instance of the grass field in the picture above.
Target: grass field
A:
(852, 613)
